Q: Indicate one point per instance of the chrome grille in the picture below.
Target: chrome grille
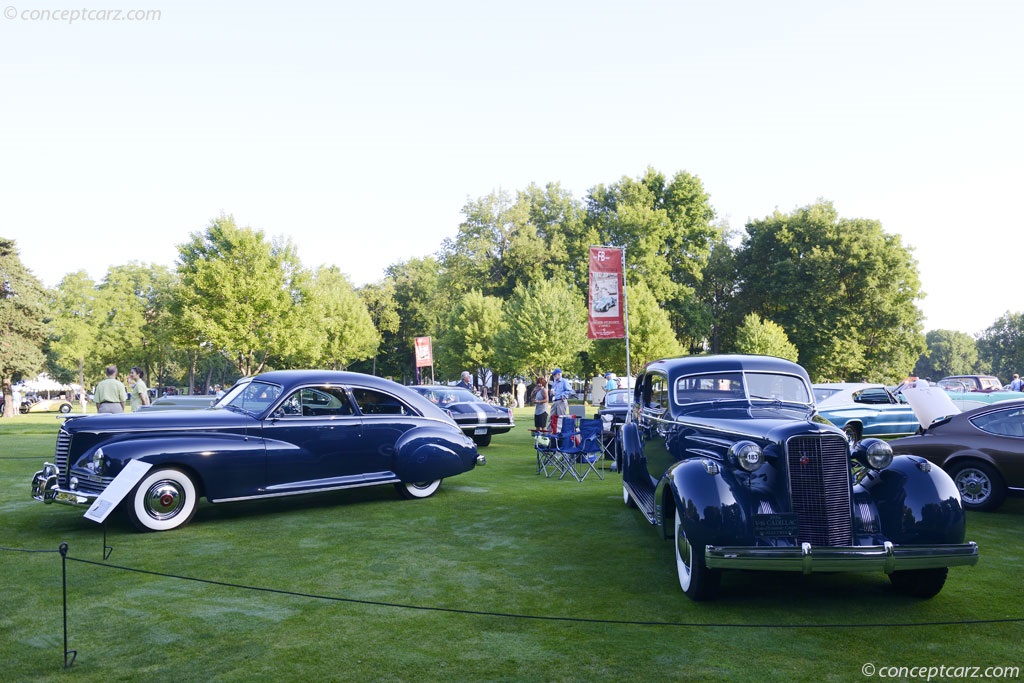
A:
(819, 479)
(60, 455)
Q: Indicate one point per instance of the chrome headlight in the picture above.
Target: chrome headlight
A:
(747, 455)
(875, 453)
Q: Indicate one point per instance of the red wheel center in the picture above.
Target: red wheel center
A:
(166, 500)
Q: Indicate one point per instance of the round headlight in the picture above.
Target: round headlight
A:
(747, 454)
(878, 453)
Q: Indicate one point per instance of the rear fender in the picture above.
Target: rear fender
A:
(429, 453)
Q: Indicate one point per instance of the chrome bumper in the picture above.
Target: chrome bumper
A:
(45, 489)
(806, 558)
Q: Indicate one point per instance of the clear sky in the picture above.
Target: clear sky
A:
(359, 130)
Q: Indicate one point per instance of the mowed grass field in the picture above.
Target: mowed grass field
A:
(503, 575)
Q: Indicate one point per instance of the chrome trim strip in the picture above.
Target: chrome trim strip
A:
(282, 494)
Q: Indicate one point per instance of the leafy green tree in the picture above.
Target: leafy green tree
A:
(716, 293)
(238, 294)
(73, 328)
(23, 328)
(668, 231)
(420, 302)
(337, 328)
(467, 340)
(844, 290)
(546, 327)
(764, 337)
(1001, 346)
(650, 335)
(948, 353)
(379, 298)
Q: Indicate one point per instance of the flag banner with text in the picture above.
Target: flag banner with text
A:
(604, 316)
(424, 353)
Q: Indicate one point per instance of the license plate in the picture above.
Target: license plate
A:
(63, 497)
(480, 430)
(784, 525)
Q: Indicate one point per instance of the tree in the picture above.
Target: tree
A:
(238, 294)
(23, 316)
(764, 337)
(337, 328)
(666, 227)
(468, 339)
(420, 302)
(1001, 346)
(74, 327)
(843, 290)
(948, 353)
(379, 298)
(547, 327)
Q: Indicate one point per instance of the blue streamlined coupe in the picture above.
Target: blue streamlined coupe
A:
(277, 434)
(726, 456)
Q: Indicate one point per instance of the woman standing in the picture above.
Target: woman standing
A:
(540, 401)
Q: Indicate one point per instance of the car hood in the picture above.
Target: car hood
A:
(754, 421)
(159, 420)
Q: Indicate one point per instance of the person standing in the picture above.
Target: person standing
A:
(467, 381)
(1017, 384)
(560, 392)
(139, 393)
(110, 395)
(540, 402)
(521, 393)
(611, 382)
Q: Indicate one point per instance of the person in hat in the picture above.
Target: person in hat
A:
(560, 392)
(611, 381)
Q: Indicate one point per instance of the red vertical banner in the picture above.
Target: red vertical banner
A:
(424, 352)
(605, 319)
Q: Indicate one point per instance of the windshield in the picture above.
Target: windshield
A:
(446, 396)
(724, 386)
(617, 398)
(251, 397)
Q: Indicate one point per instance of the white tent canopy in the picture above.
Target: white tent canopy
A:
(44, 384)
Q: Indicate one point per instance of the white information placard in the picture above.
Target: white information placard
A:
(118, 489)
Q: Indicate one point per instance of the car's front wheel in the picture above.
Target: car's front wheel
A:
(418, 489)
(980, 486)
(919, 583)
(65, 408)
(697, 581)
(165, 499)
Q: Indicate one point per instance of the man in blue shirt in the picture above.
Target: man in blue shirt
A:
(560, 391)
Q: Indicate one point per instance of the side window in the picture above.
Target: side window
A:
(657, 399)
(373, 402)
(1003, 422)
(315, 402)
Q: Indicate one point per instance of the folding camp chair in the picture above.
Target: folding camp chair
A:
(544, 444)
(579, 454)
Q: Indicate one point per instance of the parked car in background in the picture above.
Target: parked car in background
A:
(865, 410)
(971, 383)
(724, 454)
(180, 402)
(277, 434)
(476, 417)
(613, 411)
(981, 449)
(35, 404)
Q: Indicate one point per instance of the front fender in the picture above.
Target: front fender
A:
(429, 453)
(710, 511)
(222, 463)
(917, 502)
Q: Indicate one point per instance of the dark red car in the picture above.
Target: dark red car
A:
(981, 449)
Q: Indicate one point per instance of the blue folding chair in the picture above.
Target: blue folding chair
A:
(579, 453)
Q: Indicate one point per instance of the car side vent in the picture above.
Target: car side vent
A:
(819, 478)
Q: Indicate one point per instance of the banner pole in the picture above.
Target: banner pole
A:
(625, 314)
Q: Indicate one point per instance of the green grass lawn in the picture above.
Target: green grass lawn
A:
(503, 575)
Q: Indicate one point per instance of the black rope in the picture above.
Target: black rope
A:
(535, 617)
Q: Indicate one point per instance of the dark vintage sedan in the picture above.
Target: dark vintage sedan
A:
(982, 450)
(277, 434)
(477, 418)
(726, 456)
